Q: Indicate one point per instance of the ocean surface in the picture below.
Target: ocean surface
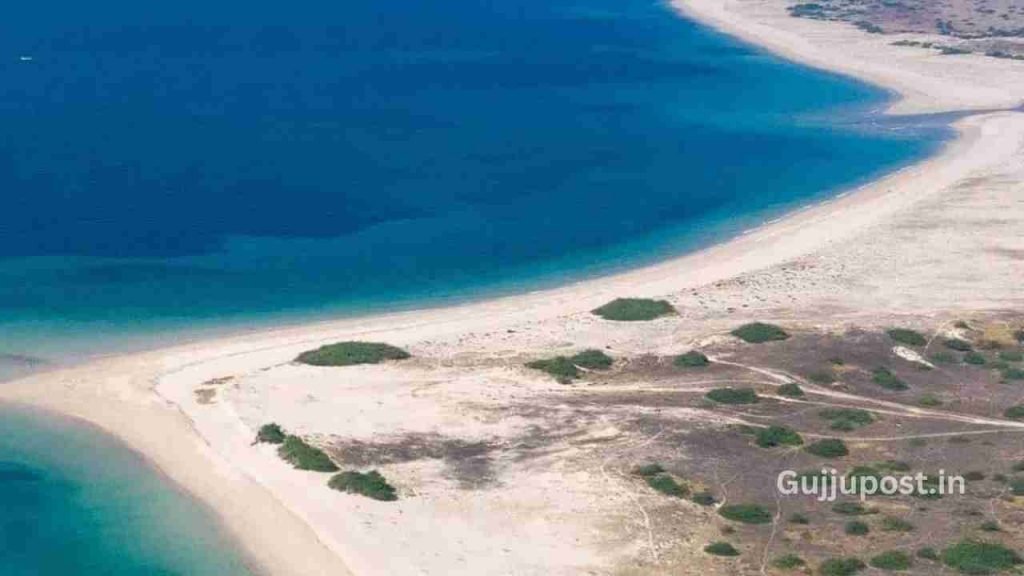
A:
(173, 169)
(74, 501)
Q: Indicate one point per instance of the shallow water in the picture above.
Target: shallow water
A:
(74, 501)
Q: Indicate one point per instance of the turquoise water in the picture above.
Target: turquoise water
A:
(74, 501)
(173, 169)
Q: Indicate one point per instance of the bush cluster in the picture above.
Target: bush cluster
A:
(351, 353)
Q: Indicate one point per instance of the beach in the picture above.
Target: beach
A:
(935, 239)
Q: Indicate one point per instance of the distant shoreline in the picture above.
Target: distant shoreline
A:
(145, 399)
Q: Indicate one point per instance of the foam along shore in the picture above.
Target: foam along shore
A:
(292, 524)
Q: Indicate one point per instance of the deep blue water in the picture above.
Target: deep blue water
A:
(75, 502)
(181, 165)
(174, 166)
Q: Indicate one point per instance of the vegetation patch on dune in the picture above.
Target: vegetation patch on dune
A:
(270, 434)
(846, 419)
(977, 557)
(788, 562)
(634, 309)
(957, 344)
(565, 369)
(841, 567)
(691, 359)
(792, 390)
(891, 560)
(907, 337)
(856, 528)
(758, 332)
(828, 448)
(661, 481)
(370, 484)
(773, 436)
(352, 353)
(721, 549)
(301, 455)
(733, 396)
(745, 513)
(886, 379)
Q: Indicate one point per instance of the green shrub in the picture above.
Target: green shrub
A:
(891, 560)
(929, 401)
(733, 396)
(958, 344)
(990, 526)
(1019, 335)
(270, 433)
(745, 513)
(886, 379)
(828, 448)
(928, 553)
(798, 518)
(788, 562)
(1015, 412)
(974, 359)
(894, 524)
(667, 485)
(773, 436)
(822, 377)
(563, 369)
(851, 509)
(567, 369)
(841, 567)
(302, 456)
(757, 332)
(846, 419)
(691, 359)
(351, 353)
(1013, 373)
(634, 309)
(907, 337)
(370, 484)
(721, 549)
(856, 528)
(942, 357)
(703, 498)
(593, 360)
(977, 557)
(1016, 486)
(1011, 356)
(792, 390)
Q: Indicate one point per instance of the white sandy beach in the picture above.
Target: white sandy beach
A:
(940, 236)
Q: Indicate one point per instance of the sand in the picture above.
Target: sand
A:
(939, 237)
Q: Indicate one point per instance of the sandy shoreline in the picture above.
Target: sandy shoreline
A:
(147, 399)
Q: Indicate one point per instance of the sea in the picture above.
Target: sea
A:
(174, 170)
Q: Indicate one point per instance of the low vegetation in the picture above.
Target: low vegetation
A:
(692, 359)
(352, 353)
(957, 344)
(704, 498)
(846, 419)
(978, 557)
(886, 379)
(733, 396)
(828, 448)
(370, 484)
(907, 337)
(270, 434)
(661, 481)
(566, 369)
(745, 513)
(758, 332)
(928, 553)
(721, 549)
(891, 560)
(856, 528)
(788, 562)
(841, 567)
(894, 524)
(302, 456)
(792, 390)
(851, 509)
(974, 359)
(1015, 412)
(634, 309)
(773, 436)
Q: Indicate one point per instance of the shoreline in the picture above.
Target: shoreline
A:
(120, 393)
